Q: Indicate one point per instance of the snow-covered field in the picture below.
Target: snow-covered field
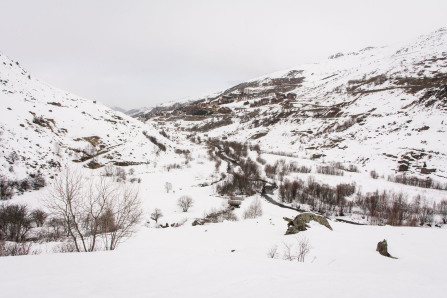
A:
(230, 258)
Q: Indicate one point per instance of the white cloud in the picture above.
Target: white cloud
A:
(139, 53)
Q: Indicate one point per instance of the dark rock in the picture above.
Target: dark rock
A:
(403, 167)
(427, 171)
(382, 248)
(300, 222)
(198, 222)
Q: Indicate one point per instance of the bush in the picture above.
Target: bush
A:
(250, 168)
(238, 183)
(154, 140)
(168, 187)
(14, 249)
(38, 217)
(254, 210)
(15, 222)
(185, 202)
(156, 215)
(329, 170)
(216, 215)
(6, 189)
(303, 248)
(374, 174)
(418, 182)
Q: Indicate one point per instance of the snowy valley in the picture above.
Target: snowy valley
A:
(358, 139)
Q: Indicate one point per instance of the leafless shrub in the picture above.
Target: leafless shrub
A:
(250, 168)
(272, 252)
(254, 210)
(237, 183)
(168, 187)
(329, 170)
(109, 170)
(374, 174)
(6, 189)
(15, 222)
(442, 210)
(14, 249)
(303, 248)
(416, 181)
(344, 125)
(56, 229)
(219, 215)
(295, 168)
(66, 247)
(154, 140)
(38, 217)
(120, 174)
(156, 215)
(287, 251)
(169, 167)
(185, 202)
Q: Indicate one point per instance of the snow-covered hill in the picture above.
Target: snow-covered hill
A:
(381, 109)
(42, 128)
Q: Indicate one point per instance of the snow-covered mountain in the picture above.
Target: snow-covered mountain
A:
(42, 127)
(379, 108)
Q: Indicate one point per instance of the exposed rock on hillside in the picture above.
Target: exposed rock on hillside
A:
(300, 223)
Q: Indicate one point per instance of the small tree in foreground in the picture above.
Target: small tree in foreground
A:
(272, 252)
(95, 210)
(156, 215)
(185, 202)
(303, 248)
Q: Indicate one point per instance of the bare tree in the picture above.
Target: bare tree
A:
(126, 213)
(38, 217)
(92, 210)
(168, 187)
(254, 210)
(156, 215)
(109, 170)
(185, 202)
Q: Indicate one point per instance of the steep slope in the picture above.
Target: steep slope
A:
(379, 108)
(42, 127)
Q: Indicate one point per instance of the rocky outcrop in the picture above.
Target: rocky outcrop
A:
(382, 248)
(300, 223)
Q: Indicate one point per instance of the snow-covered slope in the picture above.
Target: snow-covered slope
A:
(42, 127)
(379, 108)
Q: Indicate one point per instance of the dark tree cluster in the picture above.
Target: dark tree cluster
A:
(154, 140)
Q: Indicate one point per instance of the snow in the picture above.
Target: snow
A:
(198, 262)
(230, 258)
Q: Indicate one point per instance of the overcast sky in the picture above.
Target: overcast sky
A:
(141, 53)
